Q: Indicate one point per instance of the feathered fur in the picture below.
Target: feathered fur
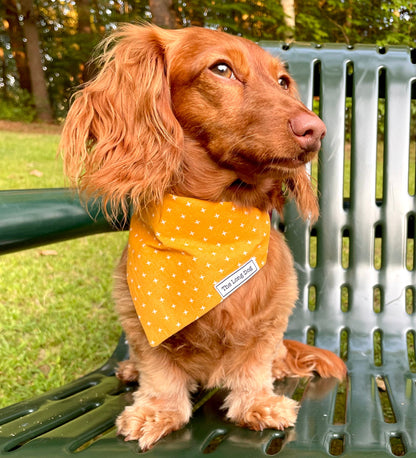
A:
(201, 114)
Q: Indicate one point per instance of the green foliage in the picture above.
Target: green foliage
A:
(17, 105)
(252, 19)
(66, 50)
(380, 22)
(70, 56)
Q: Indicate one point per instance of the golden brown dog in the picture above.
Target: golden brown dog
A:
(201, 114)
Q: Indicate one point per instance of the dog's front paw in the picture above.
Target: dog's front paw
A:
(127, 371)
(271, 411)
(148, 424)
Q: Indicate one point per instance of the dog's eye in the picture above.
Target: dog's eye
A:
(283, 82)
(223, 70)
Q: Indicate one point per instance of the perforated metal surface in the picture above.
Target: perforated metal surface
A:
(345, 300)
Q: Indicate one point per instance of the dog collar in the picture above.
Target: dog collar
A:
(188, 256)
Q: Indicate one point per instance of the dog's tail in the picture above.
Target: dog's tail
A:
(304, 360)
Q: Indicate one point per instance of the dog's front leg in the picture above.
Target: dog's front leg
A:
(161, 404)
(252, 403)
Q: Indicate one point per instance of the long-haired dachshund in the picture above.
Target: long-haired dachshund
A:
(200, 135)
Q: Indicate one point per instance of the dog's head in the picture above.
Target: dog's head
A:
(195, 112)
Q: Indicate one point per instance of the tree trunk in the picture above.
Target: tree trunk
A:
(288, 7)
(163, 13)
(14, 31)
(83, 11)
(84, 27)
(4, 91)
(37, 75)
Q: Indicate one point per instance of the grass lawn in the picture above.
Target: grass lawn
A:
(57, 318)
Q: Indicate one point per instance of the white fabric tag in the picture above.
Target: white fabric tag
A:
(237, 278)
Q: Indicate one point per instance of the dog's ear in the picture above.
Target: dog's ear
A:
(121, 141)
(300, 188)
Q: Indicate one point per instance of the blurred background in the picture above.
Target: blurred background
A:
(46, 45)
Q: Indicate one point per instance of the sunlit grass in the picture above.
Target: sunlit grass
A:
(57, 317)
(29, 160)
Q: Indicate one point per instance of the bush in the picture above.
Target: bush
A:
(17, 106)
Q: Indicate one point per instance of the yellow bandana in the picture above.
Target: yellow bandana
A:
(190, 256)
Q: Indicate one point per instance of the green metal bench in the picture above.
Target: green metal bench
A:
(356, 275)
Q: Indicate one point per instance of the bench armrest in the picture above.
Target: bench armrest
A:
(30, 218)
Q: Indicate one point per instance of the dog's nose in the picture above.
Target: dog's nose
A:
(308, 130)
